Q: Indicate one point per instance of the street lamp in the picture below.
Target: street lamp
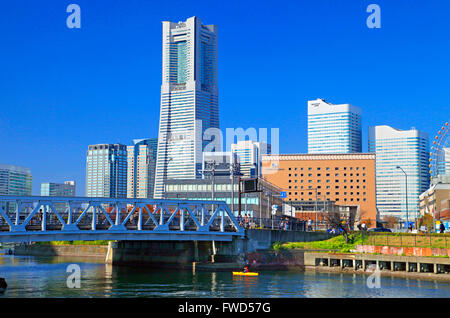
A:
(406, 188)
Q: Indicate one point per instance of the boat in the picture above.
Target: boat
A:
(245, 274)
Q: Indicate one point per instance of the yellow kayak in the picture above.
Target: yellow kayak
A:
(245, 274)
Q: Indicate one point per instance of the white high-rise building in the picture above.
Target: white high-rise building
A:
(333, 128)
(409, 150)
(141, 168)
(249, 156)
(189, 99)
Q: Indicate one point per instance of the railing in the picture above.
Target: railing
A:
(435, 240)
(275, 223)
(75, 214)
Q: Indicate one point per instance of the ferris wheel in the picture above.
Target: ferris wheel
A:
(440, 153)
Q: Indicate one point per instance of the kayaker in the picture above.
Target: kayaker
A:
(245, 270)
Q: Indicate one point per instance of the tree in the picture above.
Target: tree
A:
(426, 219)
(334, 221)
(391, 221)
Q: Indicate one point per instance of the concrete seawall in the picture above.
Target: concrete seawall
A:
(98, 251)
(184, 254)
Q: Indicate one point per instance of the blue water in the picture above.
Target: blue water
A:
(29, 276)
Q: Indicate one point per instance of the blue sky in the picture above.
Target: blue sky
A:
(62, 89)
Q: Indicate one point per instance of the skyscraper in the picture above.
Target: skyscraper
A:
(408, 150)
(106, 171)
(14, 180)
(141, 168)
(333, 128)
(66, 189)
(249, 156)
(189, 99)
(444, 162)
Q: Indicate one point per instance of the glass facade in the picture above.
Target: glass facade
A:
(249, 156)
(106, 171)
(333, 128)
(141, 168)
(189, 99)
(15, 180)
(66, 189)
(407, 149)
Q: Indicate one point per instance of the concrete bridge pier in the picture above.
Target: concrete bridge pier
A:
(158, 253)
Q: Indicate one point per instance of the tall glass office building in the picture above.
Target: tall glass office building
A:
(141, 168)
(409, 150)
(189, 99)
(52, 189)
(106, 171)
(14, 180)
(249, 156)
(333, 129)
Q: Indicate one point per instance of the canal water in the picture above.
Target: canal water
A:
(29, 276)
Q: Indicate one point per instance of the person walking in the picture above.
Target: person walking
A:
(309, 224)
(442, 228)
(364, 226)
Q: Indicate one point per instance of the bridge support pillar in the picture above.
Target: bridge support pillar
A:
(159, 253)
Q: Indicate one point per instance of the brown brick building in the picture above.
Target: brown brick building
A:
(346, 179)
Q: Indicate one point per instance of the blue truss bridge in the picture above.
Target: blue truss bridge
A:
(43, 218)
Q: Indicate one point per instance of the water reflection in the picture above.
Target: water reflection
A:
(46, 277)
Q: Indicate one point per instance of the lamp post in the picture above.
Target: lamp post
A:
(406, 188)
(315, 210)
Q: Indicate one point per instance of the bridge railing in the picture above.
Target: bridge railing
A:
(38, 213)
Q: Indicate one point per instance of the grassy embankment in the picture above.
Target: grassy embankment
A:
(336, 243)
(435, 240)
